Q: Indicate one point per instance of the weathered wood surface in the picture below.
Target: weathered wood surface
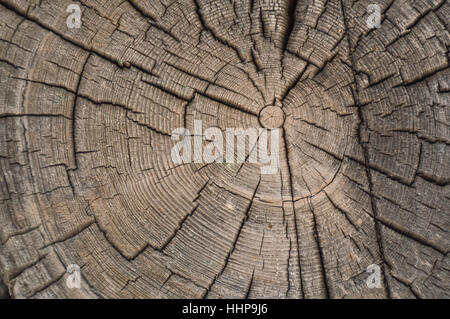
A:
(86, 176)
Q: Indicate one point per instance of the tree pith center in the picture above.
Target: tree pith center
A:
(272, 117)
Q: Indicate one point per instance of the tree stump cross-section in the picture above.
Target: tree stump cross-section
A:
(92, 204)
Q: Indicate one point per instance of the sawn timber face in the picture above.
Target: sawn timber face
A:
(87, 178)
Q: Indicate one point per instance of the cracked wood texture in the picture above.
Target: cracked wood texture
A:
(86, 176)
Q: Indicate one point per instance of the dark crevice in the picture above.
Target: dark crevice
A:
(236, 238)
(19, 232)
(205, 27)
(319, 248)
(256, 61)
(407, 285)
(149, 127)
(70, 235)
(343, 212)
(204, 79)
(4, 292)
(43, 115)
(11, 64)
(410, 236)
(75, 43)
(297, 237)
(294, 83)
(288, 274)
(363, 144)
(12, 275)
(291, 8)
(170, 92)
(46, 285)
(152, 20)
(188, 280)
(117, 249)
(74, 110)
(229, 104)
(180, 225)
(247, 294)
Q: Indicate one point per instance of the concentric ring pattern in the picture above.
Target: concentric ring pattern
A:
(87, 176)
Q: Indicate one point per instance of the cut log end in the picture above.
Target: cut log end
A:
(101, 195)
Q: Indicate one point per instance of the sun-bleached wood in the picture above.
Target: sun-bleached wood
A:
(86, 177)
